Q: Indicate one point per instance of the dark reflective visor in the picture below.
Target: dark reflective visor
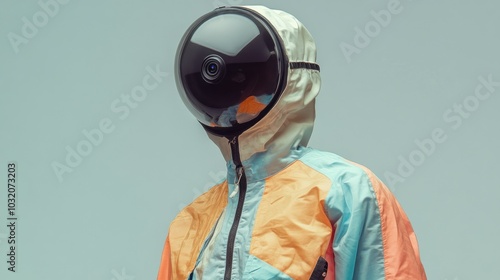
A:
(230, 68)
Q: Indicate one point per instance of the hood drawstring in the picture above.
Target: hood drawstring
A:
(237, 182)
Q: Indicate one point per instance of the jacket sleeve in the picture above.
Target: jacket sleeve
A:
(165, 271)
(373, 237)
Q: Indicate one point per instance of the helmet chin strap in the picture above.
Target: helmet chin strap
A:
(304, 65)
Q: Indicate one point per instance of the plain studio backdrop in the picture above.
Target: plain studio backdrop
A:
(106, 154)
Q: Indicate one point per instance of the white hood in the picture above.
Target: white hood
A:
(289, 123)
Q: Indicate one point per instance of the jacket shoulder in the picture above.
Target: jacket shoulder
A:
(335, 167)
(212, 199)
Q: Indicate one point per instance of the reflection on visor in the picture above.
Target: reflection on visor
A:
(243, 112)
(229, 40)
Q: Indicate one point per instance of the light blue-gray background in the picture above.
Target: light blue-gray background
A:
(109, 217)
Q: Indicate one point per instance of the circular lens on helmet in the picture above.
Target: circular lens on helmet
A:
(230, 67)
(212, 69)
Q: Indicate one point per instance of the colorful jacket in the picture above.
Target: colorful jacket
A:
(288, 211)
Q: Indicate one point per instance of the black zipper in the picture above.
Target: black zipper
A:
(320, 270)
(242, 183)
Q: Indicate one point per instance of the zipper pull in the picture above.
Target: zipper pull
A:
(239, 173)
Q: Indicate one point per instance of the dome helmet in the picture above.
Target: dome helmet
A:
(231, 68)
